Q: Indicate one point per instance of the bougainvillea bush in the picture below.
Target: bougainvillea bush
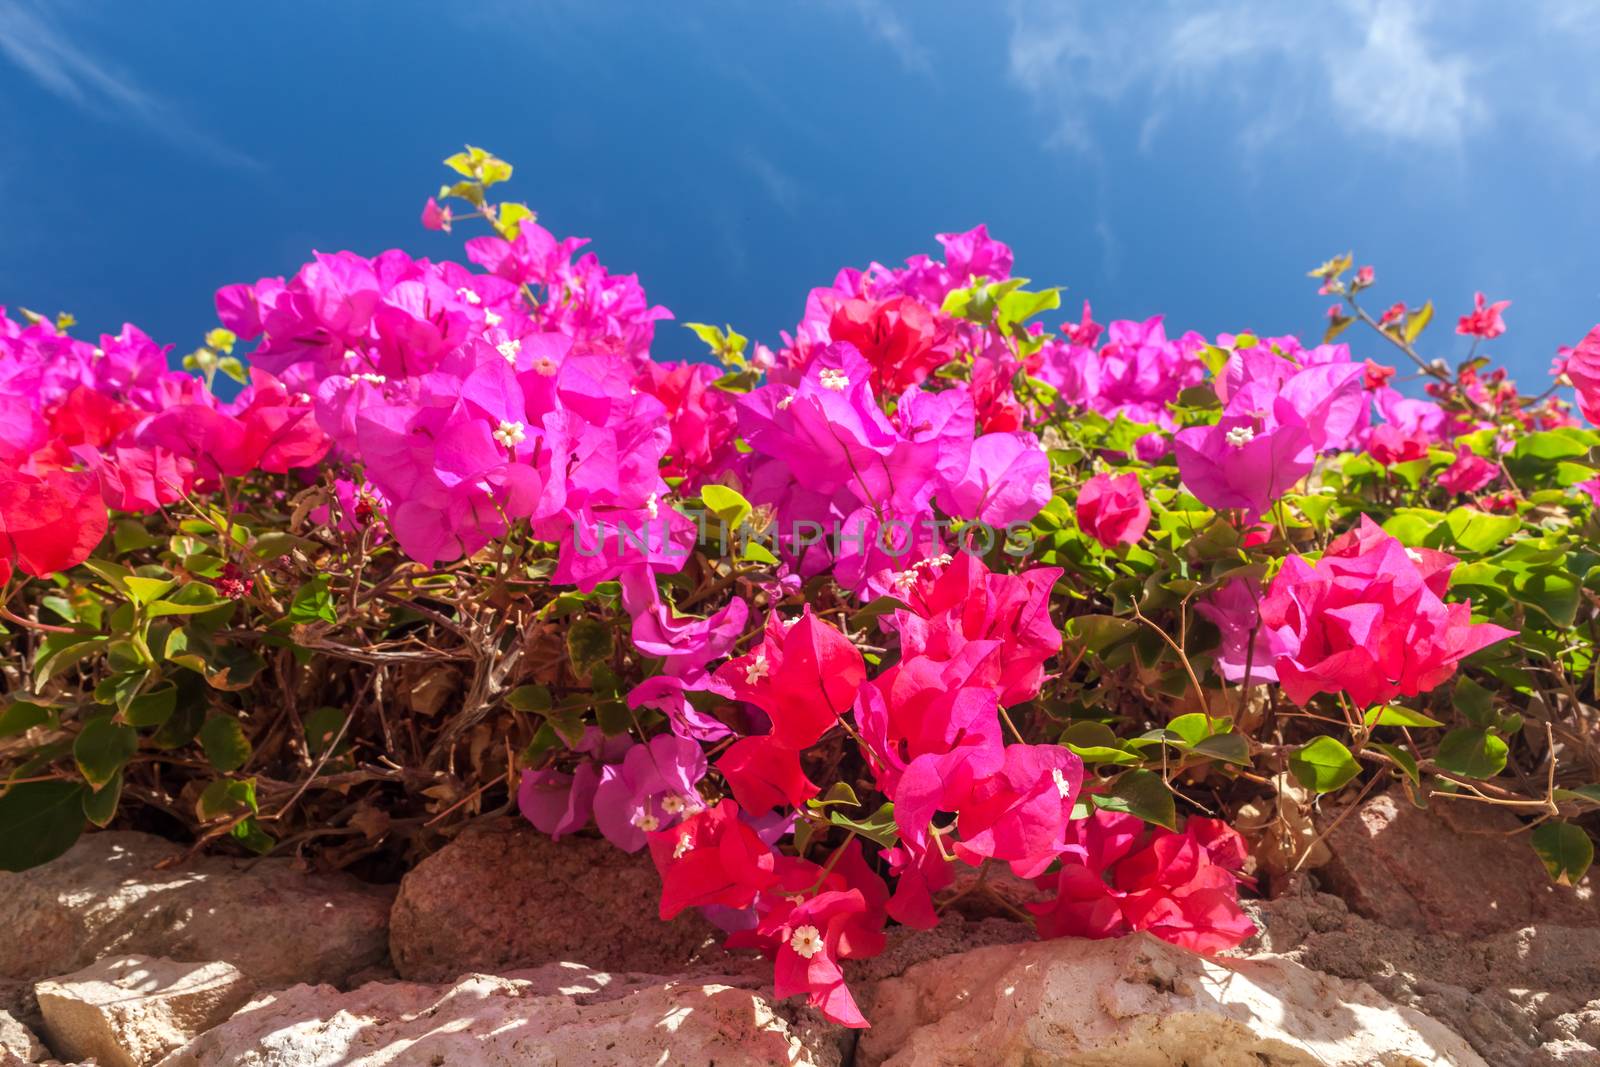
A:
(934, 592)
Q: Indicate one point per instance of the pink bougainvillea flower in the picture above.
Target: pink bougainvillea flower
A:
(1468, 474)
(1258, 450)
(651, 789)
(1111, 508)
(1020, 813)
(1369, 619)
(557, 803)
(1006, 481)
(435, 217)
(1582, 368)
(1484, 321)
(1246, 653)
(1390, 444)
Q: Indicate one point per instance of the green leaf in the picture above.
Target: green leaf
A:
(838, 793)
(322, 726)
(152, 709)
(1098, 632)
(1407, 762)
(1228, 748)
(100, 805)
(726, 504)
(145, 590)
(227, 797)
(191, 599)
(1565, 850)
(1418, 321)
(103, 748)
(879, 827)
(22, 716)
(1583, 794)
(1394, 715)
(1140, 793)
(589, 643)
(1479, 531)
(1474, 702)
(530, 698)
(313, 602)
(1323, 765)
(1471, 751)
(224, 743)
(38, 822)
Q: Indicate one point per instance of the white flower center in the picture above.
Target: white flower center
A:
(511, 434)
(374, 379)
(672, 804)
(835, 380)
(647, 822)
(1063, 786)
(1413, 555)
(783, 405)
(806, 941)
(509, 349)
(492, 319)
(685, 844)
(1240, 436)
(546, 366)
(469, 296)
(653, 506)
(757, 669)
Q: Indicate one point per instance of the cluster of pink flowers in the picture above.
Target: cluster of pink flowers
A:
(1136, 373)
(90, 427)
(1367, 619)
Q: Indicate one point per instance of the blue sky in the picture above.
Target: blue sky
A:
(1179, 157)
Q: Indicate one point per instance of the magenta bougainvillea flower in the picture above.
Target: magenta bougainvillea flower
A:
(1111, 508)
(651, 788)
(1369, 619)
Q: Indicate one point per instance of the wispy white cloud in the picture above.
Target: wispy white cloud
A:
(33, 41)
(781, 187)
(884, 23)
(1364, 67)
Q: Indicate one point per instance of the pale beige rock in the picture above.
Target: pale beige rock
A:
(105, 897)
(1139, 1002)
(18, 1041)
(557, 1016)
(505, 896)
(129, 1011)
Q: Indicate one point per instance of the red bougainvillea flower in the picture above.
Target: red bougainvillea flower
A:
(713, 857)
(1111, 509)
(802, 674)
(1375, 375)
(49, 521)
(808, 956)
(1369, 619)
(1180, 887)
(898, 337)
(1484, 321)
(1468, 474)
